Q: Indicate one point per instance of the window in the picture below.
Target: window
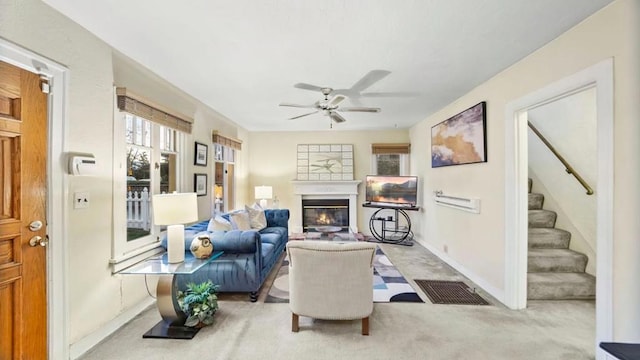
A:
(151, 153)
(224, 181)
(143, 149)
(390, 159)
(224, 154)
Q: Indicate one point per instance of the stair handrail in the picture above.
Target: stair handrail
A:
(568, 168)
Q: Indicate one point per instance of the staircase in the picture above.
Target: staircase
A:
(554, 271)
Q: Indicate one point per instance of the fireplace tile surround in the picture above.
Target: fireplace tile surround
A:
(346, 189)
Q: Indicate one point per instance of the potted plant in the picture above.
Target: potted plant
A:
(199, 302)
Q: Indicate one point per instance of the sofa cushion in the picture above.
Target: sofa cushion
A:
(256, 216)
(240, 220)
(219, 223)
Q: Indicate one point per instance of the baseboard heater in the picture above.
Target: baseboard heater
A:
(456, 202)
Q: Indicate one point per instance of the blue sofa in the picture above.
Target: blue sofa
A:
(248, 255)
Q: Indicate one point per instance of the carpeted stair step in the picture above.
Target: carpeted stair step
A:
(545, 238)
(542, 219)
(561, 286)
(556, 260)
(535, 201)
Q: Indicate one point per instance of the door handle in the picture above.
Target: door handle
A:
(39, 240)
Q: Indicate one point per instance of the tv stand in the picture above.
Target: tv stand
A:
(385, 224)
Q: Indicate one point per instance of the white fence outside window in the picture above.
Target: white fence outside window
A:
(138, 209)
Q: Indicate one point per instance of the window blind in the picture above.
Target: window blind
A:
(400, 148)
(226, 141)
(144, 108)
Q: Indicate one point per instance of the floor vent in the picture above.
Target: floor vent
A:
(450, 292)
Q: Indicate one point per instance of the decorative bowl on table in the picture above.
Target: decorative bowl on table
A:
(328, 229)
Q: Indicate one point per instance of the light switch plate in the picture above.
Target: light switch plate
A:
(81, 200)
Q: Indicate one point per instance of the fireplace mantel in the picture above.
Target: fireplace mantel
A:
(345, 189)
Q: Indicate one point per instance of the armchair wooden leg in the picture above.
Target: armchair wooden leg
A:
(294, 322)
(365, 326)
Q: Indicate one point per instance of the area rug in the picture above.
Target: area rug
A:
(450, 292)
(388, 283)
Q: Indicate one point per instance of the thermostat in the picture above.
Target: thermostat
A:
(82, 164)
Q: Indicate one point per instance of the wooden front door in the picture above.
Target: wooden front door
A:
(23, 161)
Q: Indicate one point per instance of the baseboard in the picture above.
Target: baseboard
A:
(492, 290)
(85, 344)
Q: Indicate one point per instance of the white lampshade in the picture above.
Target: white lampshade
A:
(264, 192)
(176, 208)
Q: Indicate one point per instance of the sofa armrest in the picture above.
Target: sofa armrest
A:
(236, 241)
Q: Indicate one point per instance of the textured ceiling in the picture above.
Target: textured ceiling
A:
(242, 58)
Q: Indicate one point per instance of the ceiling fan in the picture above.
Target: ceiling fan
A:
(330, 106)
(356, 91)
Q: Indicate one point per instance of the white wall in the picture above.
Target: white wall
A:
(95, 297)
(273, 159)
(478, 241)
(569, 124)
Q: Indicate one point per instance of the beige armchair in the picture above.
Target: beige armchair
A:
(331, 281)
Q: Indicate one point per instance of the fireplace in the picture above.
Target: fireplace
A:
(324, 212)
(345, 190)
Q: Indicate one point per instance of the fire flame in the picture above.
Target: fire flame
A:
(323, 219)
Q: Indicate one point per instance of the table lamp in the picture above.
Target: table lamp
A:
(263, 193)
(175, 210)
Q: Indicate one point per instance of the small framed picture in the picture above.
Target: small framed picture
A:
(200, 154)
(200, 184)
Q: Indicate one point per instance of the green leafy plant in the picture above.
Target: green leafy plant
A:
(199, 302)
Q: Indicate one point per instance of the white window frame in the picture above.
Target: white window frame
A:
(126, 253)
(228, 157)
(404, 164)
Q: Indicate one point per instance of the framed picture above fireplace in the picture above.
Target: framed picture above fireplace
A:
(325, 162)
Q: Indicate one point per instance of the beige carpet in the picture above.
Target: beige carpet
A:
(243, 330)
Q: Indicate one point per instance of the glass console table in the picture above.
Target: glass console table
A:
(172, 324)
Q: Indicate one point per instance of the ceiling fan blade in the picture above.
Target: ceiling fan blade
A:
(336, 117)
(391, 94)
(297, 105)
(334, 101)
(372, 77)
(360, 109)
(299, 116)
(308, 87)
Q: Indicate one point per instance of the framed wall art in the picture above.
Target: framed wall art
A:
(201, 152)
(325, 162)
(200, 184)
(461, 139)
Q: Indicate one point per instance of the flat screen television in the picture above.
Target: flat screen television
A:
(392, 189)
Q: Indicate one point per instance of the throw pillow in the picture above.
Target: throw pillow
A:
(256, 217)
(240, 220)
(219, 223)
